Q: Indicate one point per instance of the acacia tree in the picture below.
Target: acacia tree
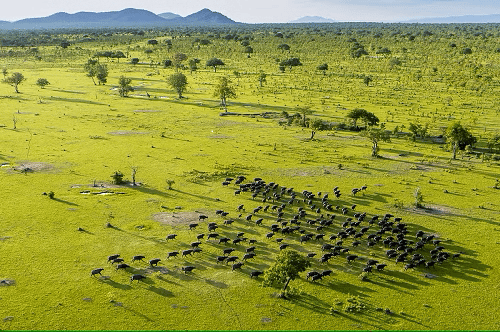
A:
(248, 50)
(224, 89)
(41, 82)
(178, 81)
(214, 62)
(178, 59)
(323, 67)
(124, 86)
(95, 69)
(288, 265)
(15, 80)
(291, 62)
(4, 72)
(262, 77)
(375, 135)
(304, 110)
(458, 137)
(367, 117)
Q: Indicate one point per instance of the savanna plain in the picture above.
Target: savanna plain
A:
(93, 165)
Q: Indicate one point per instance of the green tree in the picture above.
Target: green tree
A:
(493, 143)
(124, 86)
(102, 73)
(118, 55)
(248, 50)
(178, 59)
(178, 81)
(41, 82)
(323, 67)
(224, 89)
(458, 137)
(262, 77)
(367, 79)
(367, 117)
(288, 265)
(304, 111)
(134, 61)
(291, 62)
(375, 135)
(15, 80)
(214, 62)
(193, 64)
(5, 72)
(96, 70)
(284, 47)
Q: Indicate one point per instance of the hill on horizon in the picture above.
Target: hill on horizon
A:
(124, 18)
(312, 19)
(169, 15)
(492, 18)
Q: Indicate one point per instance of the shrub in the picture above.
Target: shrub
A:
(419, 198)
(117, 178)
(51, 194)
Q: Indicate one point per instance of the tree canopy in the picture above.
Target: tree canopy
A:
(291, 62)
(15, 80)
(214, 62)
(375, 135)
(41, 82)
(458, 137)
(288, 265)
(124, 86)
(178, 81)
(367, 117)
(224, 89)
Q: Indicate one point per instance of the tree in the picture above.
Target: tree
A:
(193, 64)
(124, 86)
(458, 137)
(493, 142)
(134, 61)
(304, 110)
(262, 77)
(291, 62)
(167, 63)
(367, 80)
(91, 68)
(248, 50)
(467, 50)
(4, 72)
(224, 90)
(152, 42)
(64, 44)
(118, 55)
(288, 265)
(15, 80)
(375, 135)
(284, 47)
(178, 81)
(323, 67)
(368, 117)
(178, 59)
(418, 130)
(214, 62)
(102, 73)
(41, 82)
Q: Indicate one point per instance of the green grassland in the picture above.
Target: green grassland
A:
(73, 134)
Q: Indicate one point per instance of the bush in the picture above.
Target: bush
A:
(419, 198)
(320, 125)
(117, 178)
(51, 195)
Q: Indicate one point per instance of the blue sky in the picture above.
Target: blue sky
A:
(265, 11)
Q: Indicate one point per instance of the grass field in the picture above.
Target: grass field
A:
(71, 136)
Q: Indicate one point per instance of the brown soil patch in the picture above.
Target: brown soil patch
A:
(176, 218)
(33, 167)
(127, 133)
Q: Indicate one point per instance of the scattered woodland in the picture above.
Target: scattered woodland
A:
(337, 177)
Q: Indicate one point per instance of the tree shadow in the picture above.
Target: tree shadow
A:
(115, 284)
(160, 291)
(65, 202)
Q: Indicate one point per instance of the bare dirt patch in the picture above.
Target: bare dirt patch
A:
(34, 167)
(177, 218)
(433, 210)
(128, 133)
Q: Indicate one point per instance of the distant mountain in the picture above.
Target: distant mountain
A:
(129, 17)
(204, 16)
(493, 18)
(312, 19)
(169, 16)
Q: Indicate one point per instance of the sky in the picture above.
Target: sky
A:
(264, 11)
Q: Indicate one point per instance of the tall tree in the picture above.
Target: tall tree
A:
(375, 135)
(15, 80)
(224, 89)
(214, 62)
(367, 117)
(288, 265)
(41, 82)
(178, 81)
(262, 77)
(178, 59)
(124, 86)
(291, 62)
(323, 67)
(458, 137)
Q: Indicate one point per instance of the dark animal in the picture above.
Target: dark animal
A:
(202, 217)
(200, 236)
(326, 273)
(236, 266)
(311, 274)
(212, 235)
(139, 257)
(195, 244)
(172, 254)
(250, 249)
(137, 277)
(192, 226)
(221, 258)
(380, 267)
(117, 260)
(224, 240)
(227, 251)
(283, 246)
(255, 273)
(248, 256)
(186, 269)
(171, 236)
(316, 277)
(311, 255)
(122, 266)
(113, 257)
(186, 252)
(96, 271)
(154, 262)
(351, 257)
(231, 259)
